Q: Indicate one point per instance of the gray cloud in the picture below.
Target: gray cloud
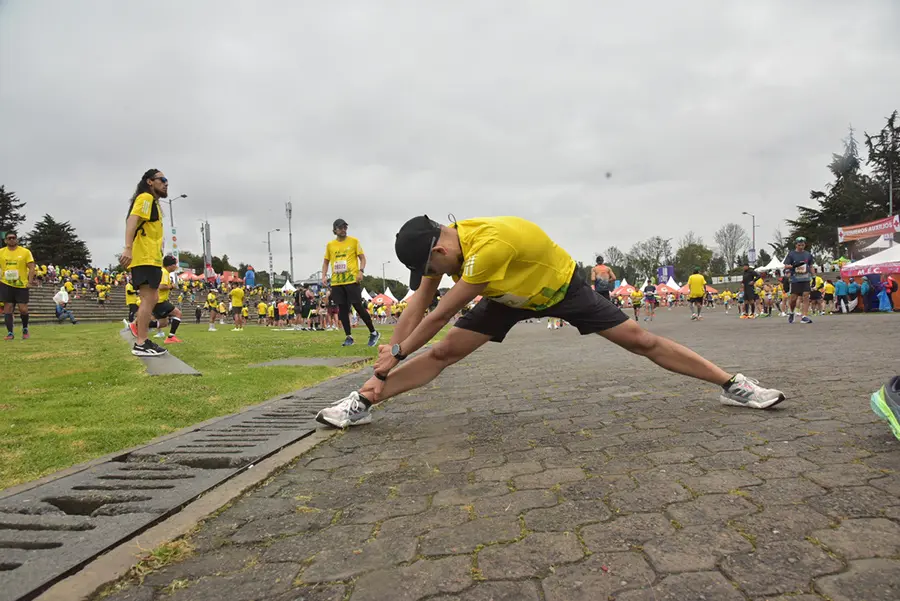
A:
(377, 111)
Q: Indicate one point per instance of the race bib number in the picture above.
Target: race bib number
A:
(340, 266)
(800, 268)
(11, 275)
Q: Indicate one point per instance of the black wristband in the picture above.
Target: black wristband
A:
(381, 377)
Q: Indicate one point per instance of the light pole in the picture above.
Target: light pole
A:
(271, 270)
(288, 210)
(383, 280)
(172, 224)
(752, 256)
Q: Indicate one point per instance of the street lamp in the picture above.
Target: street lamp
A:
(383, 280)
(172, 224)
(752, 256)
(271, 270)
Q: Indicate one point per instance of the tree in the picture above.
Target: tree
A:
(884, 159)
(56, 242)
(644, 257)
(375, 286)
(195, 262)
(732, 241)
(781, 246)
(220, 264)
(615, 257)
(10, 211)
(717, 266)
(763, 257)
(689, 239)
(691, 256)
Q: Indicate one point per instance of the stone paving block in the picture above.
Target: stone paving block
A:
(530, 557)
(782, 523)
(869, 579)
(889, 484)
(466, 537)
(720, 481)
(566, 516)
(783, 448)
(315, 592)
(828, 456)
(262, 529)
(495, 591)
(420, 579)
(862, 538)
(783, 491)
(711, 509)
(549, 477)
(853, 502)
(842, 474)
(420, 523)
(711, 586)
(346, 562)
(515, 502)
(599, 577)
(222, 561)
(296, 549)
(376, 512)
(505, 472)
(779, 567)
(626, 531)
(694, 548)
(726, 460)
(781, 467)
(465, 495)
(258, 582)
(649, 497)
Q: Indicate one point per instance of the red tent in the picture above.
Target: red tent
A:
(664, 289)
(686, 289)
(381, 299)
(711, 290)
(625, 290)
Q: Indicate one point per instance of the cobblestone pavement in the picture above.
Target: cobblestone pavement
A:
(559, 467)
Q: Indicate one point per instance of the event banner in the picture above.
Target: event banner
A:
(888, 225)
(664, 273)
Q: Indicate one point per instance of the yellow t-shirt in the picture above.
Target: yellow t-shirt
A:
(637, 297)
(245, 312)
(271, 310)
(164, 280)
(102, 290)
(237, 297)
(343, 255)
(819, 283)
(70, 287)
(211, 301)
(261, 309)
(14, 266)
(148, 241)
(829, 288)
(131, 297)
(697, 285)
(221, 308)
(518, 261)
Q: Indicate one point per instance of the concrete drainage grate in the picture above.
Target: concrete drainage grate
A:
(52, 530)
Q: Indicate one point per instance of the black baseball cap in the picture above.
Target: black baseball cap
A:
(339, 223)
(169, 260)
(413, 246)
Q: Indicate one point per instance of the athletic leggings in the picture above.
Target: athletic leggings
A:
(843, 303)
(344, 316)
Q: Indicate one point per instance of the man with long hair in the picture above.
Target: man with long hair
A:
(143, 255)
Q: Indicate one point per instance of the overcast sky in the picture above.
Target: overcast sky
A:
(378, 111)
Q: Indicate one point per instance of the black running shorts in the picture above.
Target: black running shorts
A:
(750, 295)
(146, 275)
(799, 288)
(13, 295)
(163, 309)
(695, 299)
(346, 295)
(582, 307)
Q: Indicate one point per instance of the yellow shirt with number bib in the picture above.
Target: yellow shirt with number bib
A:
(14, 266)
(148, 241)
(522, 267)
(343, 255)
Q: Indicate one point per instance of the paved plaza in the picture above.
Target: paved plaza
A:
(557, 467)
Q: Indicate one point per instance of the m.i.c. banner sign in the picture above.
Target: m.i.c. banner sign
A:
(888, 225)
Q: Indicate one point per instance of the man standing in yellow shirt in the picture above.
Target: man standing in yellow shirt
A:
(696, 292)
(143, 255)
(348, 264)
(16, 277)
(521, 274)
(237, 307)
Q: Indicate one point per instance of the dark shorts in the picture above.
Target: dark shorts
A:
(582, 307)
(829, 298)
(651, 300)
(101, 301)
(332, 310)
(347, 295)
(815, 295)
(236, 311)
(148, 275)
(799, 288)
(696, 299)
(305, 310)
(133, 307)
(261, 315)
(13, 295)
(163, 309)
(750, 295)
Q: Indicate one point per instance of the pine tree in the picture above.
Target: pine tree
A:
(54, 242)
(10, 211)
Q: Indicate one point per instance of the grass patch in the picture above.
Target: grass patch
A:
(74, 393)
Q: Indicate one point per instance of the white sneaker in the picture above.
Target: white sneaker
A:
(159, 335)
(349, 411)
(211, 329)
(746, 392)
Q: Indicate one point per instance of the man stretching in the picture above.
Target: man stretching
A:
(520, 274)
(799, 262)
(348, 264)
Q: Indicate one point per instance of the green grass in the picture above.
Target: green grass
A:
(72, 393)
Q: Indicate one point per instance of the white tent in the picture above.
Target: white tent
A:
(886, 262)
(288, 287)
(624, 282)
(881, 243)
(408, 295)
(387, 293)
(672, 283)
(773, 265)
(365, 294)
(645, 284)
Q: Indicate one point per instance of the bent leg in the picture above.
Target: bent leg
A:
(666, 353)
(421, 369)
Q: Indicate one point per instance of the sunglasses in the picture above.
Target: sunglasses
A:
(164, 180)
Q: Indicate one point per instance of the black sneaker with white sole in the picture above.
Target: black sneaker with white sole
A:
(148, 349)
